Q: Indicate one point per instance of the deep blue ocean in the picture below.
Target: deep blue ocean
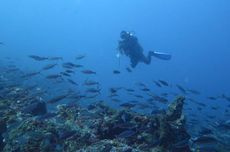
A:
(195, 32)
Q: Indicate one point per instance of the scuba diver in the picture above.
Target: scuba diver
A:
(130, 46)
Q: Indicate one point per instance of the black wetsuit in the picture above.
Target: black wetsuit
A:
(131, 48)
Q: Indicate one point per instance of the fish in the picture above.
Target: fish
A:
(72, 82)
(38, 58)
(116, 72)
(126, 134)
(225, 97)
(69, 65)
(205, 139)
(49, 66)
(65, 134)
(1, 43)
(93, 90)
(65, 74)
(28, 75)
(127, 105)
(157, 84)
(112, 90)
(181, 89)
(55, 58)
(57, 99)
(164, 83)
(130, 90)
(195, 92)
(88, 72)
(79, 57)
(116, 100)
(214, 107)
(133, 101)
(141, 84)
(113, 95)
(90, 83)
(12, 70)
(212, 98)
(145, 89)
(138, 96)
(129, 70)
(205, 131)
(54, 76)
(69, 71)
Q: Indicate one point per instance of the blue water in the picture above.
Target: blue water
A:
(195, 32)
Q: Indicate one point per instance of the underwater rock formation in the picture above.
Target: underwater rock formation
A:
(37, 108)
(100, 128)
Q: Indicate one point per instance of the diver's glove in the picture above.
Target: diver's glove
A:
(161, 55)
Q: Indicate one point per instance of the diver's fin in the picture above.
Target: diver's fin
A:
(161, 55)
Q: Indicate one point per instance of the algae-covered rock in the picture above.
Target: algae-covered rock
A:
(37, 108)
(175, 109)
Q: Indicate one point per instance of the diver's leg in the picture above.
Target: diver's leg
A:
(147, 60)
(134, 62)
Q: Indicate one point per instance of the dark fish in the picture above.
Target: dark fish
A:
(224, 125)
(133, 101)
(205, 139)
(214, 107)
(69, 71)
(226, 97)
(164, 83)
(78, 66)
(12, 70)
(128, 69)
(145, 89)
(70, 65)
(181, 89)
(38, 58)
(65, 74)
(193, 91)
(127, 105)
(93, 90)
(66, 134)
(116, 100)
(157, 84)
(143, 105)
(138, 96)
(57, 99)
(113, 95)
(54, 76)
(92, 96)
(1, 43)
(141, 84)
(90, 82)
(116, 72)
(88, 72)
(49, 66)
(55, 58)
(159, 99)
(205, 131)
(130, 90)
(126, 134)
(72, 82)
(79, 57)
(212, 98)
(28, 75)
(165, 94)
(112, 90)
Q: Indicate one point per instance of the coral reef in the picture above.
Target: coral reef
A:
(93, 128)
